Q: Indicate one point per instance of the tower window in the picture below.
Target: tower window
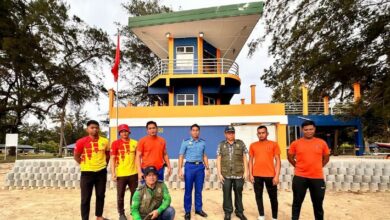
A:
(184, 57)
(185, 99)
(208, 100)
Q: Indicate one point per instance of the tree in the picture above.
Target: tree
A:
(137, 59)
(330, 45)
(45, 54)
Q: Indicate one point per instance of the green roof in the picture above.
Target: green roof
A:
(197, 14)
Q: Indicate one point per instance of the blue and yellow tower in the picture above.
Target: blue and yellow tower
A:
(197, 76)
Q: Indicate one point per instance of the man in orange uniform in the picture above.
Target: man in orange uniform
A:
(123, 169)
(92, 153)
(264, 168)
(152, 151)
(308, 155)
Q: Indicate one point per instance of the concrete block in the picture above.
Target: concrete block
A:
(37, 176)
(68, 184)
(61, 183)
(355, 187)
(25, 182)
(287, 178)
(359, 171)
(9, 182)
(364, 187)
(366, 178)
(337, 186)
(369, 171)
(181, 185)
(379, 165)
(15, 169)
(52, 176)
(35, 163)
(375, 179)
(45, 176)
(39, 183)
(22, 169)
(373, 187)
(330, 178)
(382, 187)
(56, 163)
(10, 176)
(76, 183)
(357, 178)
(348, 178)
(283, 185)
(346, 186)
(333, 171)
(208, 185)
(32, 183)
(57, 169)
(17, 176)
(378, 171)
(42, 169)
(66, 177)
(340, 178)
(386, 171)
(329, 185)
(342, 170)
(54, 183)
(64, 169)
(50, 169)
(18, 183)
(385, 179)
(325, 170)
(217, 185)
(49, 163)
(72, 170)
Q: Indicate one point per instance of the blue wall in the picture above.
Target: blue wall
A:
(186, 42)
(174, 135)
(210, 48)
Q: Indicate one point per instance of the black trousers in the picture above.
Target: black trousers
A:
(237, 185)
(317, 194)
(121, 184)
(272, 193)
(89, 180)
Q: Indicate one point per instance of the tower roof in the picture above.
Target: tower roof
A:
(225, 27)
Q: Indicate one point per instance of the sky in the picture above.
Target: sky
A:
(103, 14)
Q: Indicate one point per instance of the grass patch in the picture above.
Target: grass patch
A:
(11, 159)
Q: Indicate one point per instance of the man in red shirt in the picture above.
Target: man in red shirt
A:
(264, 168)
(152, 151)
(308, 155)
(92, 153)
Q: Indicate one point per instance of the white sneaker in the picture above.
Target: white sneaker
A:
(261, 218)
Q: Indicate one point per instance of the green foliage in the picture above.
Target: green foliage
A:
(44, 55)
(330, 45)
(137, 58)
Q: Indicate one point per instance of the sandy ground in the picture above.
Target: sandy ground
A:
(64, 204)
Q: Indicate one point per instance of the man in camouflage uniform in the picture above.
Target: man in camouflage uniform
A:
(232, 171)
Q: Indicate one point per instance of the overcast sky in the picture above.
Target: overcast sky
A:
(103, 14)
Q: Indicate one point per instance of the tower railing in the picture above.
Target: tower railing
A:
(316, 108)
(192, 66)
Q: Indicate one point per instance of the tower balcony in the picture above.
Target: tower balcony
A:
(210, 71)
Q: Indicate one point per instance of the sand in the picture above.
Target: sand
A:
(64, 204)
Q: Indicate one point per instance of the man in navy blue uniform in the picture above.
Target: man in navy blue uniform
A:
(193, 150)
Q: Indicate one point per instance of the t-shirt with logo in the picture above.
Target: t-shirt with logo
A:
(152, 149)
(93, 153)
(124, 151)
(263, 153)
(308, 155)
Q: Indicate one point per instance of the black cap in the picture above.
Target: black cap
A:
(149, 169)
(229, 129)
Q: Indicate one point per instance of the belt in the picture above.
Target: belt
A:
(196, 163)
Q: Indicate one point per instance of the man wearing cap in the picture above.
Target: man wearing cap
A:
(123, 169)
(92, 153)
(194, 170)
(232, 170)
(152, 151)
(152, 200)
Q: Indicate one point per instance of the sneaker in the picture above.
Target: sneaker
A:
(122, 217)
(261, 218)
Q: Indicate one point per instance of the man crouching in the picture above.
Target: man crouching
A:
(152, 200)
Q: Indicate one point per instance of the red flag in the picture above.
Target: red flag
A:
(115, 68)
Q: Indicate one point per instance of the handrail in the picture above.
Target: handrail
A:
(192, 66)
(315, 108)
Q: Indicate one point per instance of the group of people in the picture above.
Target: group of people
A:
(142, 164)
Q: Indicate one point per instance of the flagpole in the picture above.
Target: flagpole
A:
(117, 98)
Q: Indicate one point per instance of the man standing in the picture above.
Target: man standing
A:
(152, 151)
(123, 169)
(92, 153)
(152, 200)
(196, 162)
(232, 170)
(264, 168)
(308, 155)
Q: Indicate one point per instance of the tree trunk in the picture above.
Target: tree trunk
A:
(62, 130)
(336, 142)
